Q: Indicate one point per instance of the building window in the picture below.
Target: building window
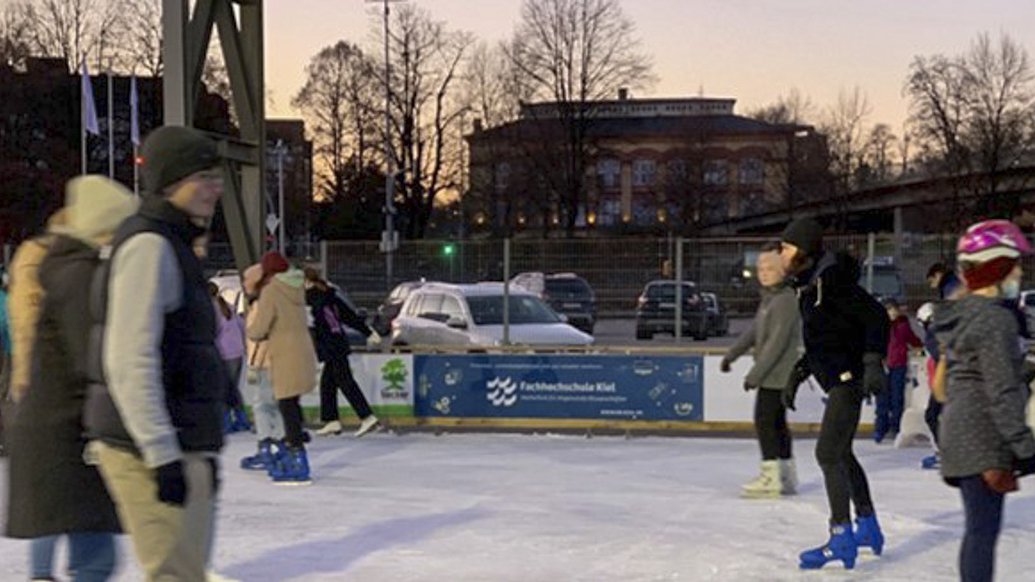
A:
(643, 172)
(716, 173)
(751, 171)
(610, 212)
(677, 170)
(502, 176)
(610, 173)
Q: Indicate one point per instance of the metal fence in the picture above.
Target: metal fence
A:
(616, 268)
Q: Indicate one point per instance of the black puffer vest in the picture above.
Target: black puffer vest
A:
(193, 373)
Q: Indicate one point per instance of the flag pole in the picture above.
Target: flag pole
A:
(82, 121)
(136, 170)
(111, 126)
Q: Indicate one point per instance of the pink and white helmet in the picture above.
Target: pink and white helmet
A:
(992, 239)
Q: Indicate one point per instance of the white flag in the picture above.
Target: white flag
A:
(134, 120)
(89, 108)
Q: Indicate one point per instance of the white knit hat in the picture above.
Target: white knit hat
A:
(96, 206)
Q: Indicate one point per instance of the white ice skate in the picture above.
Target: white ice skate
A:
(788, 477)
(369, 423)
(766, 485)
(331, 428)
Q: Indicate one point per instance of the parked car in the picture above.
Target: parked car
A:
(887, 280)
(229, 283)
(718, 322)
(445, 314)
(389, 308)
(567, 293)
(656, 310)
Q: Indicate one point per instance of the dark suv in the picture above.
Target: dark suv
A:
(566, 293)
(656, 311)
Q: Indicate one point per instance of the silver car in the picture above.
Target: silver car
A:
(443, 314)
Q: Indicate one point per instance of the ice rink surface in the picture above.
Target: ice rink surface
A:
(485, 507)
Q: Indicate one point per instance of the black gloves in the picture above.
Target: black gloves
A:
(799, 374)
(875, 379)
(1022, 467)
(748, 387)
(725, 366)
(172, 485)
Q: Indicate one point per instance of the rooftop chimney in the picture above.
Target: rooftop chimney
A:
(623, 94)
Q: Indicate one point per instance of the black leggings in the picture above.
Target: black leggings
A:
(337, 374)
(934, 410)
(291, 410)
(771, 425)
(984, 511)
(843, 475)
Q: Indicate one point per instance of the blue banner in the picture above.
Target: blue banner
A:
(563, 386)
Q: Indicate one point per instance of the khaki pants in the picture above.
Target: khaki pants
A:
(171, 543)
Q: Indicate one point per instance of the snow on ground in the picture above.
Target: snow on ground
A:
(482, 507)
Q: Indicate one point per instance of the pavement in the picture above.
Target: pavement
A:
(622, 332)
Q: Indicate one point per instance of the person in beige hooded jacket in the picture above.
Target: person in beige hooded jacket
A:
(280, 319)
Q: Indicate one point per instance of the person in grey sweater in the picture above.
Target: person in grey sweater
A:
(775, 337)
(985, 443)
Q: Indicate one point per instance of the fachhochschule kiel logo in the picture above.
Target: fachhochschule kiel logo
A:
(501, 391)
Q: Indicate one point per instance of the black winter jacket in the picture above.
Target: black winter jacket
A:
(840, 320)
(51, 489)
(330, 313)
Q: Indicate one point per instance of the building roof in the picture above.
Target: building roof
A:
(685, 126)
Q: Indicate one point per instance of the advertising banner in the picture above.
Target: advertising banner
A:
(599, 387)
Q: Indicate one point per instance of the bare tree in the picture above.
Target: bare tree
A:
(845, 127)
(16, 22)
(142, 36)
(877, 162)
(426, 110)
(337, 101)
(794, 108)
(972, 117)
(573, 53)
(78, 29)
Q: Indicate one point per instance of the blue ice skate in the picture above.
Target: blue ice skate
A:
(291, 468)
(261, 460)
(868, 534)
(931, 462)
(240, 421)
(228, 423)
(842, 546)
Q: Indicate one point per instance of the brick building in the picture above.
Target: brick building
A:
(654, 165)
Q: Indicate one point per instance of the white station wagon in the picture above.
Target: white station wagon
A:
(445, 314)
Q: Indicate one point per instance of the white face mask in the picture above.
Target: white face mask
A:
(1010, 289)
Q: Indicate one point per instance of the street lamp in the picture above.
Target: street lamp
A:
(280, 150)
(388, 237)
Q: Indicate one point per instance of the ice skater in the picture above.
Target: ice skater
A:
(280, 320)
(985, 443)
(775, 336)
(330, 315)
(846, 336)
(891, 402)
(231, 343)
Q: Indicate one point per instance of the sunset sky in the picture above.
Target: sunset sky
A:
(753, 50)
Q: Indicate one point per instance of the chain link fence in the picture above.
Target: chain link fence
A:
(616, 268)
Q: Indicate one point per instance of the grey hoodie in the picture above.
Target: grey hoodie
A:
(776, 337)
(982, 424)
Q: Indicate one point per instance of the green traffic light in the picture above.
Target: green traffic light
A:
(448, 250)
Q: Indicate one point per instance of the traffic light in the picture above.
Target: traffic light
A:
(448, 249)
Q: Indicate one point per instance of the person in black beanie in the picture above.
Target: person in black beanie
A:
(158, 384)
(845, 332)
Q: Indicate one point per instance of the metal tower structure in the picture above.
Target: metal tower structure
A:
(187, 34)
